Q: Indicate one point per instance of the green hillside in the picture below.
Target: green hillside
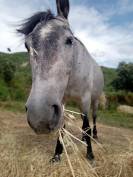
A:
(17, 58)
(17, 66)
(109, 75)
(18, 86)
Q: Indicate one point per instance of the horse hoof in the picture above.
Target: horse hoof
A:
(55, 159)
(90, 156)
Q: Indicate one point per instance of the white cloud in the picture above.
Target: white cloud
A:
(12, 12)
(108, 44)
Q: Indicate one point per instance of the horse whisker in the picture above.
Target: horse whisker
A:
(74, 112)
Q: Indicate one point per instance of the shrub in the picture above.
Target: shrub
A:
(116, 98)
(4, 92)
(124, 80)
(7, 70)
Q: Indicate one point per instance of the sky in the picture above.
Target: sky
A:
(104, 26)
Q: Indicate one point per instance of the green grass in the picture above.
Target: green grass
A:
(13, 106)
(111, 118)
(114, 118)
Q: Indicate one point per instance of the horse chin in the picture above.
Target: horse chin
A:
(47, 132)
(52, 135)
(42, 132)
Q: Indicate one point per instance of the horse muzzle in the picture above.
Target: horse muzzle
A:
(46, 120)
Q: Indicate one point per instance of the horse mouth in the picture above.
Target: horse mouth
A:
(41, 130)
(47, 133)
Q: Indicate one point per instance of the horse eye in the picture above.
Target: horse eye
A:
(69, 41)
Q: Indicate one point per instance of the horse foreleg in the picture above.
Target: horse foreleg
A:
(58, 152)
(87, 134)
(94, 115)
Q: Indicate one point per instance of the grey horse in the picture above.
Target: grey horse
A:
(62, 69)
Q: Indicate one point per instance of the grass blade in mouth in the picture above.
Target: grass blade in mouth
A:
(68, 159)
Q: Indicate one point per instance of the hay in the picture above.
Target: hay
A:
(82, 163)
(125, 109)
(68, 159)
(24, 154)
(73, 112)
(103, 101)
(72, 123)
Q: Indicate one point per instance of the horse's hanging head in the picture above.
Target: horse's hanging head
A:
(50, 44)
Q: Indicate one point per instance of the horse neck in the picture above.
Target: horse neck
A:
(80, 60)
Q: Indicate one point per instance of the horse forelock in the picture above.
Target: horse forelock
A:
(29, 24)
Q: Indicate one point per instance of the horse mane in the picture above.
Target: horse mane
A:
(30, 23)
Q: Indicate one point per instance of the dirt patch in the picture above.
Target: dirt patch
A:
(24, 154)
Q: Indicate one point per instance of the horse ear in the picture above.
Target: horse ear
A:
(63, 8)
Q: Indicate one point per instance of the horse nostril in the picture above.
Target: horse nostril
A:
(55, 117)
(56, 110)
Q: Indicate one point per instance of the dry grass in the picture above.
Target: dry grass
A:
(103, 101)
(24, 154)
(125, 109)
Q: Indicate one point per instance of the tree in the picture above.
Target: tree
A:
(124, 79)
(7, 70)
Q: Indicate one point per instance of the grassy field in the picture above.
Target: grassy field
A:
(114, 118)
(109, 117)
